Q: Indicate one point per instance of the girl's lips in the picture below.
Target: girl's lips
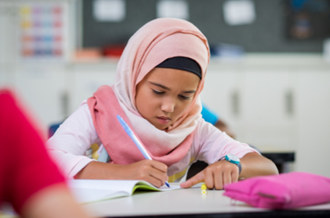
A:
(163, 120)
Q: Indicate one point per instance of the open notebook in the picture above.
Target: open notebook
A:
(87, 191)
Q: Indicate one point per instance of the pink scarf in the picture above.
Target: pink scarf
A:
(153, 43)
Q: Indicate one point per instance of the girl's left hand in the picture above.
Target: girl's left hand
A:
(216, 175)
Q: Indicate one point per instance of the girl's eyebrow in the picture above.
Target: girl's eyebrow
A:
(161, 86)
(166, 88)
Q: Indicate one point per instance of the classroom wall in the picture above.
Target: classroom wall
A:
(268, 33)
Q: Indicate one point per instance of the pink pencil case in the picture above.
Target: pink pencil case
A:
(288, 190)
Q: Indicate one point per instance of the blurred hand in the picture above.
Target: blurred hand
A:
(54, 201)
(216, 175)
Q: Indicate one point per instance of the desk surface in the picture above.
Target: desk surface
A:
(188, 202)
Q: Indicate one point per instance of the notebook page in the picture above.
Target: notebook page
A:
(94, 195)
(96, 190)
(114, 185)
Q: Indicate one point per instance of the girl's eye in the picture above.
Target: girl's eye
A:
(184, 97)
(157, 92)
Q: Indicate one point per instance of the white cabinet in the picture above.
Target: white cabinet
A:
(221, 86)
(43, 89)
(268, 116)
(314, 121)
(85, 78)
(256, 100)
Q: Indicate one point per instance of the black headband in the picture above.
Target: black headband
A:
(182, 63)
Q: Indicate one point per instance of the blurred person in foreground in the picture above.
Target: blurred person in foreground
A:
(29, 180)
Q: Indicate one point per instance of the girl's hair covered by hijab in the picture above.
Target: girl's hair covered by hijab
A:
(153, 43)
(182, 63)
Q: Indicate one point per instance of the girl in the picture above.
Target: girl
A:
(158, 81)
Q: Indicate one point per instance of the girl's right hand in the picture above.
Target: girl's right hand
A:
(150, 171)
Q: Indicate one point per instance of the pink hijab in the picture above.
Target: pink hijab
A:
(153, 43)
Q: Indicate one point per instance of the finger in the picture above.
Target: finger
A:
(209, 178)
(159, 175)
(146, 170)
(154, 181)
(218, 180)
(159, 166)
(227, 177)
(193, 180)
(234, 176)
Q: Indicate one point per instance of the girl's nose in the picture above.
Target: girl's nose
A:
(168, 105)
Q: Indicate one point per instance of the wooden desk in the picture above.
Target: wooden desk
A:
(191, 203)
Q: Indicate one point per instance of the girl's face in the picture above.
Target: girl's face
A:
(164, 94)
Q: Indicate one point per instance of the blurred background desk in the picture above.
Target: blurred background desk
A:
(191, 203)
(281, 157)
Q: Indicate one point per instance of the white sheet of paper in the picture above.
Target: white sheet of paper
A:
(97, 190)
(109, 10)
(238, 12)
(173, 8)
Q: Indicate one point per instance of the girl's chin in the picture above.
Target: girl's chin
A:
(161, 127)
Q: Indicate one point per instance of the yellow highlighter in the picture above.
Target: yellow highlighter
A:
(204, 189)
